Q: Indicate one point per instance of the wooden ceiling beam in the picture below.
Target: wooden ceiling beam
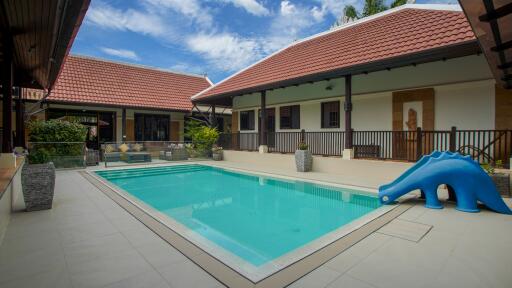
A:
(497, 13)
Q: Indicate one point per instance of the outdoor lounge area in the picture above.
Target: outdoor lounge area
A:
(374, 152)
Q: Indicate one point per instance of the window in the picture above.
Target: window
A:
(289, 117)
(247, 120)
(149, 127)
(331, 114)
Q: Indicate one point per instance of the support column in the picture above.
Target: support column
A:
(263, 123)
(348, 152)
(213, 117)
(123, 125)
(20, 121)
(7, 158)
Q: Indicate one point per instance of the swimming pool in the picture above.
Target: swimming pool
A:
(254, 218)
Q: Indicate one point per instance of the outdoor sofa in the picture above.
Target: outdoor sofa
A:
(130, 153)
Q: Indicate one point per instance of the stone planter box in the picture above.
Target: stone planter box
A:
(502, 181)
(38, 184)
(217, 156)
(303, 160)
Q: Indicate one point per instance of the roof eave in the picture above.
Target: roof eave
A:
(119, 106)
(431, 55)
(491, 25)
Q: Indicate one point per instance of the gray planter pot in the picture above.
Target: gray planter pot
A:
(502, 182)
(38, 183)
(217, 156)
(303, 160)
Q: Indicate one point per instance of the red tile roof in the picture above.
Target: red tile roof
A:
(405, 30)
(87, 80)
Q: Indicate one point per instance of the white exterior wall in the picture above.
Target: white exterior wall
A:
(465, 106)
(464, 96)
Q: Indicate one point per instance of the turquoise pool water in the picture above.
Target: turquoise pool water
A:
(257, 218)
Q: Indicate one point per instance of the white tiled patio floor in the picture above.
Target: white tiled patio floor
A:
(86, 240)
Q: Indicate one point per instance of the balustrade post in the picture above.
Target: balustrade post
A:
(419, 143)
(453, 137)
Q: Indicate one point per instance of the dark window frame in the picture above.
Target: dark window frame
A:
(293, 121)
(334, 118)
(159, 118)
(247, 124)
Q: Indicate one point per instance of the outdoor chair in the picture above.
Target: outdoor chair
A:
(175, 152)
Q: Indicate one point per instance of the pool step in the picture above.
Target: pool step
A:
(128, 173)
(165, 168)
(136, 171)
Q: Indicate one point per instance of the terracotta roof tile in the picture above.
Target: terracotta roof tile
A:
(404, 31)
(95, 81)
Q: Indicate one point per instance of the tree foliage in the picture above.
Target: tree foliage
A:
(371, 7)
(350, 12)
(56, 131)
(50, 141)
(397, 3)
(203, 137)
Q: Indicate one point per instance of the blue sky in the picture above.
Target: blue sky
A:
(213, 37)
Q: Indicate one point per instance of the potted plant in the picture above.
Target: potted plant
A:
(303, 158)
(216, 153)
(47, 145)
(500, 179)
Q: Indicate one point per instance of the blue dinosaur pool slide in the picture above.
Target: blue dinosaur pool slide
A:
(464, 175)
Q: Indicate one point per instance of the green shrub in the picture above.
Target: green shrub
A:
(488, 168)
(50, 142)
(203, 137)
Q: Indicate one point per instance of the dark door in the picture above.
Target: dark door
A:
(271, 125)
(106, 127)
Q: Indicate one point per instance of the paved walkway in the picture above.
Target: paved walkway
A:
(86, 240)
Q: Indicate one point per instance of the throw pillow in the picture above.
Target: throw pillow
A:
(109, 148)
(123, 148)
(137, 147)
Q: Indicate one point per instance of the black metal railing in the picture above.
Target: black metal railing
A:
(485, 146)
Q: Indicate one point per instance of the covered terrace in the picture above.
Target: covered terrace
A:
(347, 66)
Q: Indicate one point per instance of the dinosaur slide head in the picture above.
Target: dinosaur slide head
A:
(386, 195)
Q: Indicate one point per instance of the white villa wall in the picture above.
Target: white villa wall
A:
(465, 106)
(464, 96)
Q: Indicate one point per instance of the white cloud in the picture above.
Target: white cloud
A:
(252, 6)
(289, 25)
(318, 14)
(334, 7)
(128, 20)
(187, 68)
(121, 53)
(287, 8)
(188, 8)
(227, 52)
